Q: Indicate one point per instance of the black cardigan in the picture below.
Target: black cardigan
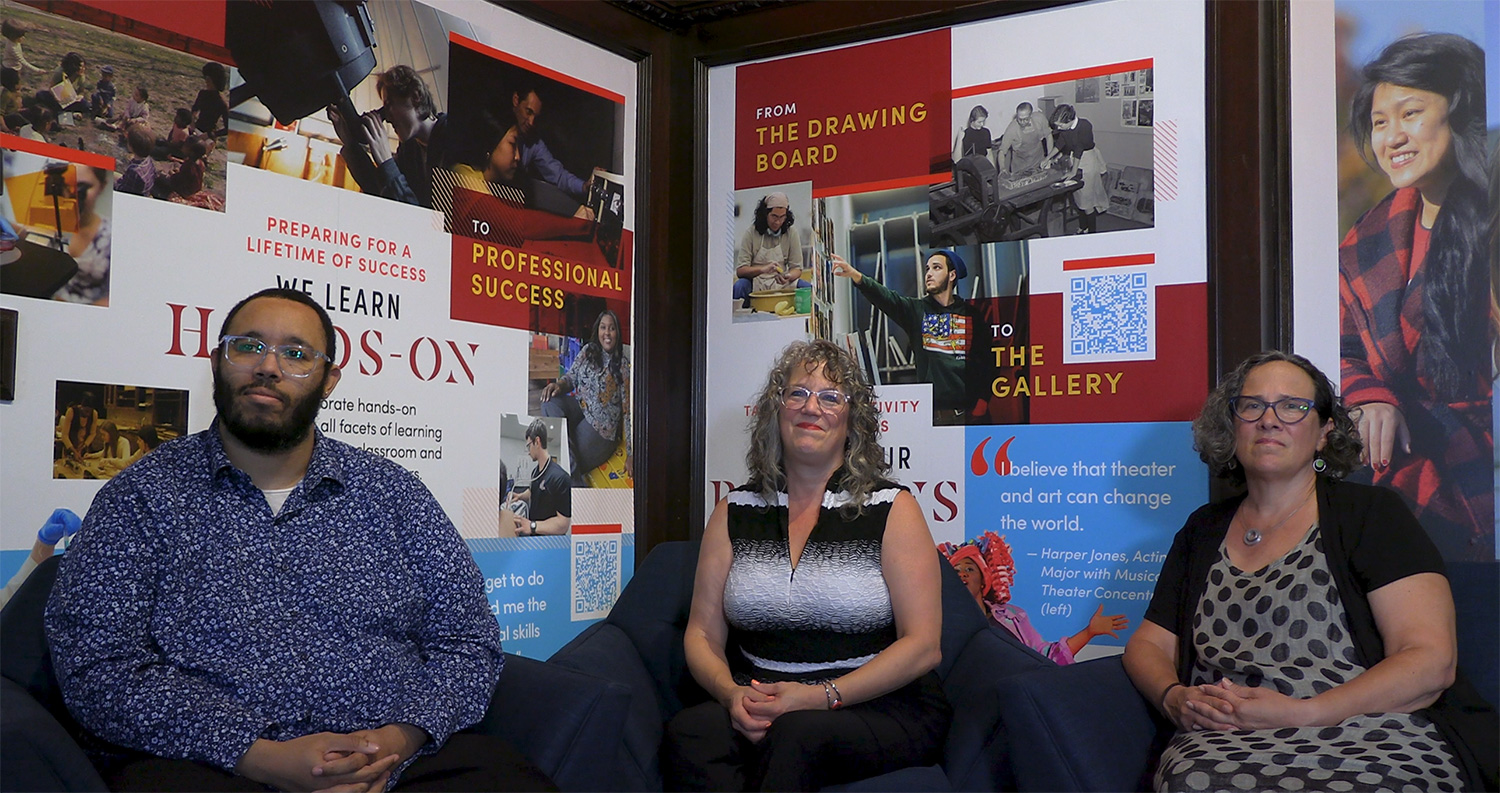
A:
(1371, 539)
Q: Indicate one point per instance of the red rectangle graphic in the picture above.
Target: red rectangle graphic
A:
(1126, 260)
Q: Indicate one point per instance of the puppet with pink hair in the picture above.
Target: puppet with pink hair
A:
(987, 568)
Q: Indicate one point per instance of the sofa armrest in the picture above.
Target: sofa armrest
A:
(561, 719)
(36, 753)
(1079, 727)
(1476, 591)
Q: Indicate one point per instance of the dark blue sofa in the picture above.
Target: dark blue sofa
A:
(1085, 727)
(557, 717)
(640, 646)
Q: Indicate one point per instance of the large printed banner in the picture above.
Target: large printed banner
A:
(1041, 409)
(463, 213)
(1395, 258)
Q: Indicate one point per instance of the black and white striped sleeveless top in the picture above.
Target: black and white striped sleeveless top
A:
(830, 615)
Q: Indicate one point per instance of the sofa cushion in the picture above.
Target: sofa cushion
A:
(927, 777)
(36, 753)
(962, 617)
(974, 754)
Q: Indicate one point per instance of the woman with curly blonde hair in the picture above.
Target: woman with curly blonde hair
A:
(864, 460)
(816, 610)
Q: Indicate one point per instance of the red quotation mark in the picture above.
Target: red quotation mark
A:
(980, 467)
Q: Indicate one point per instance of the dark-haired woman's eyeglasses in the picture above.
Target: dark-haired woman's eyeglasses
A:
(830, 399)
(1290, 410)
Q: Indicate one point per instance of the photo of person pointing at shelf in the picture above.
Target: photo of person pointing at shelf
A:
(943, 328)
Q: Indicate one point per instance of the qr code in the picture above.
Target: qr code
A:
(1111, 317)
(596, 575)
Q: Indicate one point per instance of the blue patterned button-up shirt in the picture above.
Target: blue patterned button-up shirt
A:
(187, 621)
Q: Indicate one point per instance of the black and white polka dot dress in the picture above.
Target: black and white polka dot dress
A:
(1284, 627)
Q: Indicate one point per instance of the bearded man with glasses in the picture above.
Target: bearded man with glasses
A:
(260, 605)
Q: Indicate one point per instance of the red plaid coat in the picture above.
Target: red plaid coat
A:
(1449, 474)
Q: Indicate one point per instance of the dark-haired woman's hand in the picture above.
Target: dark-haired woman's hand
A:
(1190, 708)
(1249, 708)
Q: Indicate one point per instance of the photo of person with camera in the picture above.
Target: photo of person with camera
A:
(60, 248)
(407, 105)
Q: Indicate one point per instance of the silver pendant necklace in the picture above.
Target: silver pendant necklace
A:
(1253, 536)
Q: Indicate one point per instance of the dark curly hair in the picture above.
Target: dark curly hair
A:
(1213, 429)
(762, 212)
(594, 352)
(1455, 336)
(864, 460)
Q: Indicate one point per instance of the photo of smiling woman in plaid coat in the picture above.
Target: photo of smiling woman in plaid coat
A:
(1414, 285)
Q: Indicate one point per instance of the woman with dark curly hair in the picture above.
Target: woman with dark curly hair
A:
(769, 255)
(1413, 281)
(816, 610)
(594, 397)
(1302, 635)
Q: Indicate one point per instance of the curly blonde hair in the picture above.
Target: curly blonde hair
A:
(864, 460)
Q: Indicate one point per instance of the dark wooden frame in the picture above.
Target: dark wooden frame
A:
(1248, 210)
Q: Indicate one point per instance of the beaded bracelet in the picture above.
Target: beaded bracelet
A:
(831, 693)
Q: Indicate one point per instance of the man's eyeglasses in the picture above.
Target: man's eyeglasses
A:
(830, 399)
(295, 360)
(1290, 410)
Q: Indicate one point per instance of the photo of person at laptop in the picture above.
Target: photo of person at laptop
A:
(549, 500)
(497, 169)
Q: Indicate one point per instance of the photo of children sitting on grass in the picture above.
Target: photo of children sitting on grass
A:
(160, 113)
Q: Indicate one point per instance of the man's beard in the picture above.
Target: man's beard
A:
(263, 435)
